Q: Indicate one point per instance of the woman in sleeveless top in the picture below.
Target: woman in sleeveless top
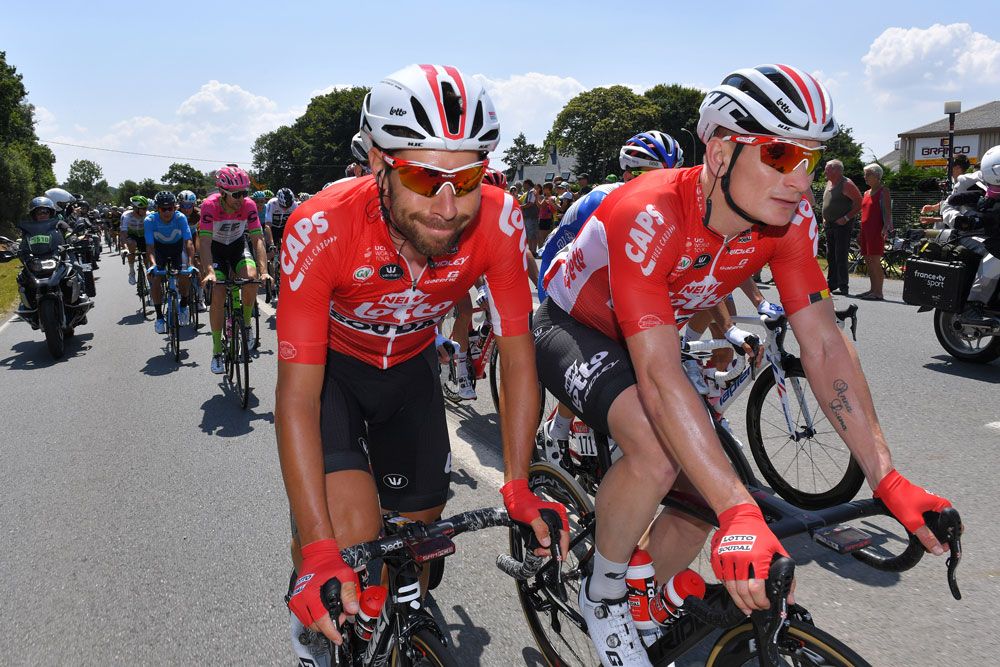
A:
(876, 225)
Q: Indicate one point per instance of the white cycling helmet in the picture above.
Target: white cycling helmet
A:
(359, 148)
(652, 149)
(776, 100)
(989, 166)
(61, 198)
(433, 107)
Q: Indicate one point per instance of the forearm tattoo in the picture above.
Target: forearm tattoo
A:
(841, 404)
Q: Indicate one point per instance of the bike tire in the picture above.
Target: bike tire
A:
(173, 326)
(242, 362)
(570, 644)
(51, 321)
(449, 383)
(840, 476)
(431, 652)
(229, 347)
(737, 647)
(546, 402)
(142, 289)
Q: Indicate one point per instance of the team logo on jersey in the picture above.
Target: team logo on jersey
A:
(363, 273)
(650, 321)
(641, 235)
(683, 263)
(703, 260)
(745, 237)
(390, 272)
(286, 350)
(394, 481)
(438, 263)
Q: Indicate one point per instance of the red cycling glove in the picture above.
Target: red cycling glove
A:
(907, 501)
(523, 506)
(743, 546)
(321, 562)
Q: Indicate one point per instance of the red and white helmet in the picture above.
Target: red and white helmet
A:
(774, 100)
(433, 107)
(495, 177)
(232, 178)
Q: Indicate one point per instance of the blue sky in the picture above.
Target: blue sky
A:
(196, 79)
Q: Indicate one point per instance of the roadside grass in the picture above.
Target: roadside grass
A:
(8, 286)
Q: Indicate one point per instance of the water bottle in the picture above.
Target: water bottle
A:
(641, 586)
(663, 606)
(371, 603)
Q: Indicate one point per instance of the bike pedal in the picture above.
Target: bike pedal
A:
(842, 539)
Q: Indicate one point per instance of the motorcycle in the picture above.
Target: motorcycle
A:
(55, 288)
(940, 277)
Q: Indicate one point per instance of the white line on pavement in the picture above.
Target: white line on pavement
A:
(994, 425)
(9, 320)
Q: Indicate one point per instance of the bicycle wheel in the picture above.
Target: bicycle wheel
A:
(546, 403)
(173, 326)
(812, 468)
(428, 651)
(800, 644)
(449, 383)
(194, 303)
(558, 629)
(230, 347)
(242, 361)
(141, 288)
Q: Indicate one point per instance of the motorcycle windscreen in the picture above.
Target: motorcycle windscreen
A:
(42, 237)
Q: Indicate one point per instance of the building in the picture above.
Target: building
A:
(555, 165)
(976, 131)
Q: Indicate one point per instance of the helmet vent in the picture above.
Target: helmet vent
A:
(492, 135)
(477, 120)
(421, 115)
(452, 103)
(402, 131)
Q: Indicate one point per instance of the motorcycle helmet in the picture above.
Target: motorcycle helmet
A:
(989, 166)
(41, 203)
(60, 198)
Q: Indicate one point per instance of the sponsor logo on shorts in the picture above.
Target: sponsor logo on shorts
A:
(650, 321)
(703, 260)
(363, 273)
(286, 350)
(580, 377)
(395, 481)
(538, 332)
(390, 271)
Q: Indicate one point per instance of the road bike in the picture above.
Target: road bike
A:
(141, 285)
(403, 634)
(172, 300)
(795, 447)
(560, 631)
(236, 347)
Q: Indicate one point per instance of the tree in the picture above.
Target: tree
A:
(126, 190)
(148, 187)
(316, 148)
(87, 178)
(594, 125)
(182, 176)
(521, 153)
(678, 107)
(25, 164)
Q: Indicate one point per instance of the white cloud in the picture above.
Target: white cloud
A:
(45, 122)
(903, 62)
(330, 89)
(215, 97)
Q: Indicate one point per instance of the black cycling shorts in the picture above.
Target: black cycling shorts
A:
(169, 255)
(391, 423)
(584, 369)
(140, 242)
(227, 258)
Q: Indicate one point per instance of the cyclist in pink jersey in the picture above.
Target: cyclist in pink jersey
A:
(369, 266)
(657, 250)
(228, 220)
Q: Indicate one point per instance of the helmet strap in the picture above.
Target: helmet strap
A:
(725, 190)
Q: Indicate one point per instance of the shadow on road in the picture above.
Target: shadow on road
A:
(222, 415)
(163, 363)
(32, 354)
(134, 318)
(885, 543)
(468, 640)
(476, 429)
(951, 366)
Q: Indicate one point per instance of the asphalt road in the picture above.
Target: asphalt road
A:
(144, 518)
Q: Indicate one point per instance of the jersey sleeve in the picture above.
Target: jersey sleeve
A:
(310, 261)
(205, 224)
(268, 213)
(148, 226)
(507, 276)
(253, 220)
(644, 243)
(123, 224)
(185, 227)
(796, 272)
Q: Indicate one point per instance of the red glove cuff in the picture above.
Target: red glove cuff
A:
(741, 510)
(321, 548)
(514, 488)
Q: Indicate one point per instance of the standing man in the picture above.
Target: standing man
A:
(841, 202)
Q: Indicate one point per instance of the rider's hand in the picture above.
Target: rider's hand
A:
(742, 550)
(771, 311)
(908, 502)
(210, 277)
(523, 507)
(264, 277)
(321, 562)
(738, 338)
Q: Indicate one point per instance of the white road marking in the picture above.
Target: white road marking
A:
(9, 320)
(994, 425)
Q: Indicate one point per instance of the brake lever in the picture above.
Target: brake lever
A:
(947, 528)
(754, 343)
(554, 523)
(767, 623)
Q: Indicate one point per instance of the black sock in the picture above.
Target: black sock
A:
(184, 302)
(159, 310)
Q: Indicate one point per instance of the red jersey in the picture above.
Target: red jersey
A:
(344, 286)
(667, 265)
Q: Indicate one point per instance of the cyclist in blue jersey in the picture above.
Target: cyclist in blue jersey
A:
(168, 237)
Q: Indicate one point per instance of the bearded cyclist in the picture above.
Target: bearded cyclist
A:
(370, 266)
(227, 219)
(662, 247)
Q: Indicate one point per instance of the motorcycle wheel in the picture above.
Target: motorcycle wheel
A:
(51, 320)
(977, 350)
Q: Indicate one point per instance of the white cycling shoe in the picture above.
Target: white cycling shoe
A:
(218, 364)
(184, 317)
(611, 628)
(131, 278)
(465, 389)
(160, 326)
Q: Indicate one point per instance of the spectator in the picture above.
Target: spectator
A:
(529, 208)
(583, 181)
(565, 197)
(876, 225)
(841, 203)
(931, 213)
(611, 178)
(547, 208)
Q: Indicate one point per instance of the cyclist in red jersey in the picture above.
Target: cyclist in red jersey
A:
(369, 267)
(657, 250)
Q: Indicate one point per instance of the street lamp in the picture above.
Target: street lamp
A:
(694, 146)
(951, 108)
